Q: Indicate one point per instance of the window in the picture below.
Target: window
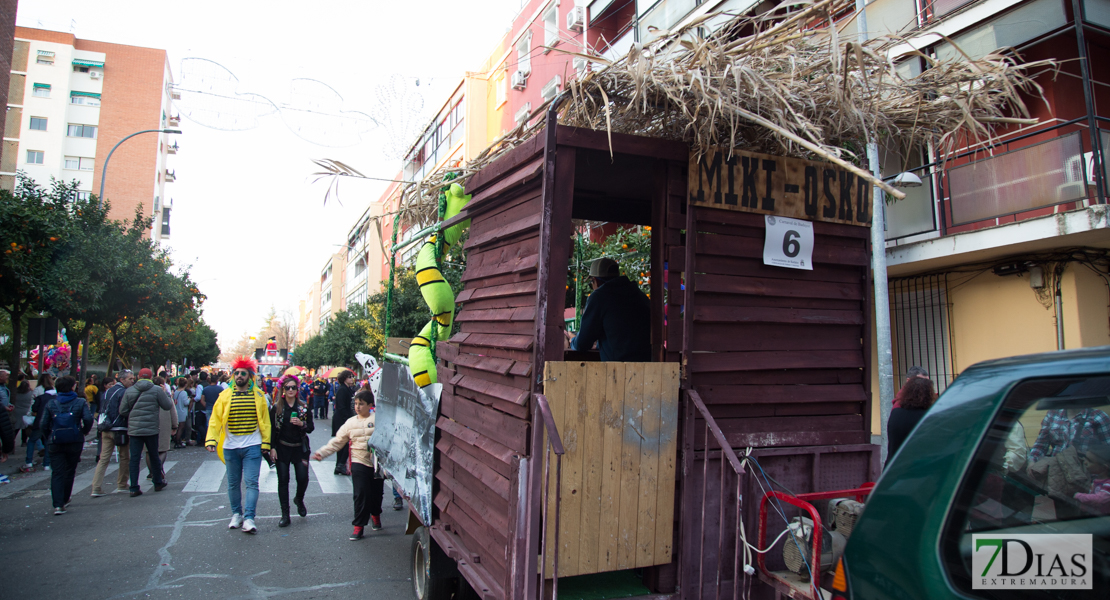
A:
(551, 26)
(84, 196)
(500, 86)
(85, 131)
(522, 115)
(80, 69)
(920, 323)
(524, 53)
(552, 88)
(41, 90)
(79, 163)
(84, 100)
(38, 123)
(34, 157)
(1043, 467)
(45, 57)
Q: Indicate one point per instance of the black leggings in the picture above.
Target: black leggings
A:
(368, 493)
(296, 457)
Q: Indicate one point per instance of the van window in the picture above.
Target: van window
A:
(1043, 470)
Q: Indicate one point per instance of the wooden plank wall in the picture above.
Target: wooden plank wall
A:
(779, 355)
(619, 426)
(486, 370)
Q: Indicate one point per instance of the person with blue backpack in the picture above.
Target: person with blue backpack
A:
(66, 420)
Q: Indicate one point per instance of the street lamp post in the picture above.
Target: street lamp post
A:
(100, 202)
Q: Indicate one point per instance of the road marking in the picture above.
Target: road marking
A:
(267, 479)
(208, 478)
(166, 466)
(330, 483)
(84, 480)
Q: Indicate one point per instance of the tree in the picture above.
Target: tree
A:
(32, 223)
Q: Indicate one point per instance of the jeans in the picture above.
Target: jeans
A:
(35, 443)
(137, 443)
(66, 457)
(243, 463)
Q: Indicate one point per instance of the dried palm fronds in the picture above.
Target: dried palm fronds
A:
(783, 82)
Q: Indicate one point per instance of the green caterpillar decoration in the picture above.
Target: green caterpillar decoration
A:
(436, 291)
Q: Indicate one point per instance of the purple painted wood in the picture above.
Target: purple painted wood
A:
(620, 143)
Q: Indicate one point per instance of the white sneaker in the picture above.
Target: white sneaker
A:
(46, 468)
(236, 521)
(248, 526)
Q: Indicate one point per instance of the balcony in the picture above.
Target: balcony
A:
(174, 121)
(171, 176)
(172, 149)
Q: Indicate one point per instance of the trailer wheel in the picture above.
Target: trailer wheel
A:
(433, 572)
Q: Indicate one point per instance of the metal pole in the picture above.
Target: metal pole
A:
(1079, 13)
(83, 367)
(878, 264)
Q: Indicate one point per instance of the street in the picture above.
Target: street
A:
(176, 544)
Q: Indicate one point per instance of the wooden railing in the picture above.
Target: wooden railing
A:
(554, 445)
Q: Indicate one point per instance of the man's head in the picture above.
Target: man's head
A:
(602, 270)
(4, 374)
(203, 377)
(144, 373)
(242, 370)
(916, 371)
(127, 378)
(64, 384)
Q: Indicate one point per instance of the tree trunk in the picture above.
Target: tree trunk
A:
(111, 353)
(17, 340)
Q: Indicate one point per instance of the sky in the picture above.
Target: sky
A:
(248, 220)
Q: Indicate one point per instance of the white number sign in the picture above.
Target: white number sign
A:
(789, 243)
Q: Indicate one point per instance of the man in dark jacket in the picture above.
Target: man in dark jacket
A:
(320, 398)
(617, 316)
(65, 422)
(344, 409)
(113, 425)
(141, 403)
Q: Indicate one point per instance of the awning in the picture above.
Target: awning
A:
(42, 86)
(86, 94)
(81, 62)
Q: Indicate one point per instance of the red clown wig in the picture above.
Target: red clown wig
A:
(244, 362)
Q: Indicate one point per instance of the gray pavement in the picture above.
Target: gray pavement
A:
(176, 544)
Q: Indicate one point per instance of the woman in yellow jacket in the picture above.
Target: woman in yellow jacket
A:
(356, 432)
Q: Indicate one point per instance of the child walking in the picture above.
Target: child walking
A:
(368, 488)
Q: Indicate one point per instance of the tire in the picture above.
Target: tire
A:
(434, 574)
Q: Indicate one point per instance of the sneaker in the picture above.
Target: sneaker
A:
(27, 469)
(236, 521)
(46, 468)
(136, 493)
(398, 504)
(160, 486)
(58, 510)
(98, 494)
(248, 526)
(375, 522)
(356, 535)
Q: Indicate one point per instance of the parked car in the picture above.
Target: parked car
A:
(1010, 460)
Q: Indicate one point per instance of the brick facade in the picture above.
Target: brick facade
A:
(7, 45)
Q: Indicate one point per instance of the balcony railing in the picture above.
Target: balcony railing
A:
(1056, 171)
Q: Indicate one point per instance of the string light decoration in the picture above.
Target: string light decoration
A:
(400, 112)
(208, 94)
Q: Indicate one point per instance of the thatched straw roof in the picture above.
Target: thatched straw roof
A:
(783, 83)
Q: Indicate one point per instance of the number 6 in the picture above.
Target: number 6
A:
(790, 245)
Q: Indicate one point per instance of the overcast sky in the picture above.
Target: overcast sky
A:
(246, 214)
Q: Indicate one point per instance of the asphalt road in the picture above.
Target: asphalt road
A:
(176, 544)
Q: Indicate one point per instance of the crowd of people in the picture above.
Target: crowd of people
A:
(245, 418)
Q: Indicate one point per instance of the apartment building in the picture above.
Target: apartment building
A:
(1003, 249)
(71, 100)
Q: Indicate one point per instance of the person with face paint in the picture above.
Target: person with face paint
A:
(239, 431)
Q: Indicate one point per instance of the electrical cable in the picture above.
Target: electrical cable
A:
(782, 513)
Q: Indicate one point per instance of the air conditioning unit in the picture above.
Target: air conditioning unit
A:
(576, 17)
(94, 74)
(520, 80)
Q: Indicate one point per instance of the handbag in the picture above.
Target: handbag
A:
(120, 438)
(28, 420)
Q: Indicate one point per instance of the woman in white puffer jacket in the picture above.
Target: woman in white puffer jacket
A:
(356, 432)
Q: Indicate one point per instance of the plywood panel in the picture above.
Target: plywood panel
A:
(618, 422)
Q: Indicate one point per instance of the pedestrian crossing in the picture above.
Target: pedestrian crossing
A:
(211, 477)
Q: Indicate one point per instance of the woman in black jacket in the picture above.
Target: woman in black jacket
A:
(917, 397)
(290, 422)
(344, 409)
